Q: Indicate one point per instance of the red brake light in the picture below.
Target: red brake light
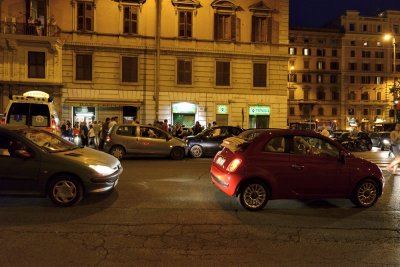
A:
(108, 139)
(234, 165)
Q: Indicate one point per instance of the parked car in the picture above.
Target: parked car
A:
(38, 163)
(293, 164)
(381, 140)
(208, 142)
(143, 140)
(355, 142)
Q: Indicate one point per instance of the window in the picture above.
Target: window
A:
(350, 111)
(306, 64)
(259, 29)
(365, 28)
(184, 71)
(365, 79)
(185, 24)
(378, 28)
(334, 53)
(352, 27)
(365, 96)
(352, 66)
(292, 78)
(378, 96)
(352, 95)
(353, 43)
(320, 52)
(334, 65)
(224, 27)
(223, 73)
(36, 64)
(291, 111)
(320, 65)
(83, 67)
(130, 69)
(365, 66)
(260, 75)
(306, 94)
(366, 54)
(85, 16)
(365, 112)
(320, 94)
(306, 52)
(335, 95)
(380, 54)
(130, 20)
(291, 94)
(292, 51)
(334, 79)
(320, 78)
(378, 80)
(378, 67)
(320, 111)
(378, 112)
(334, 111)
(365, 43)
(352, 53)
(306, 78)
(352, 79)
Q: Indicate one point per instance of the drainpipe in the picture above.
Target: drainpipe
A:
(157, 63)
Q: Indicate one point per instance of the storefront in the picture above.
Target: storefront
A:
(259, 116)
(222, 115)
(184, 113)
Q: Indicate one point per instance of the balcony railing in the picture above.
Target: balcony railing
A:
(30, 29)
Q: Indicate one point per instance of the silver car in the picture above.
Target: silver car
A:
(38, 163)
(143, 140)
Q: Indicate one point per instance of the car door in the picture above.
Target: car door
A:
(18, 175)
(317, 170)
(214, 140)
(152, 141)
(125, 135)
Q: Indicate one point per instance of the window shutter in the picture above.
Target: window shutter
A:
(253, 28)
(215, 26)
(233, 24)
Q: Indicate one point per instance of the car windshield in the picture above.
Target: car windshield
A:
(48, 141)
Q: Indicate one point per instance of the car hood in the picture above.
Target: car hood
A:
(89, 156)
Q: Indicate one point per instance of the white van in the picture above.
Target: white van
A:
(32, 111)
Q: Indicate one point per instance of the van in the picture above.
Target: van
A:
(32, 111)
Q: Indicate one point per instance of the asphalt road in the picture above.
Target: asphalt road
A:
(167, 213)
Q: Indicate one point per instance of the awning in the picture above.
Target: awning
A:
(101, 102)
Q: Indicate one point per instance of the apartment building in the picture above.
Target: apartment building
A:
(146, 60)
(342, 75)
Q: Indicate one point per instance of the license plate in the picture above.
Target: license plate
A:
(220, 161)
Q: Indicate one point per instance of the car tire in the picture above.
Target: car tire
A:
(65, 190)
(118, 152)
(365, 194)
(196, 151)
(177, 153)
(254, 195)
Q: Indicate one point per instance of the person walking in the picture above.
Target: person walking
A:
(84, 134)
(395, 145)
(91, 136)
(96, 129)
(103, 134)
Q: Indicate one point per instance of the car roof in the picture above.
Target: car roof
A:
(13, 127)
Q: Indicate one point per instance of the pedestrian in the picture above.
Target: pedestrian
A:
(395, 143)
(103, 134)
(179, 131)
(197, 128)
(84, 131)
(165, 125)
(214, 124)
(91, 135)
(112, 122)
(96, 129)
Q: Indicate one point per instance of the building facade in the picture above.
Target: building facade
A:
(146, 60)
(342, 76)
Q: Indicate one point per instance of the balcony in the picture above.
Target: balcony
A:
(12, 27)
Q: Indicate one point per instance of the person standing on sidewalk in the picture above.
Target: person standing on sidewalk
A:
(395, 145)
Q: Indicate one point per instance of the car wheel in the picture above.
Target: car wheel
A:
(365, 194)
(118, 152)
(196, 151)
(65, 191)
(177, 153)
(254, 196)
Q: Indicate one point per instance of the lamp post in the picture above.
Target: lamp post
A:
(396, 88)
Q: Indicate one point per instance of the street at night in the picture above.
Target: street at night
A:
(168, 213)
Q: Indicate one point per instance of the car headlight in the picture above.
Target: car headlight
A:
(102, 170)
(386, 142)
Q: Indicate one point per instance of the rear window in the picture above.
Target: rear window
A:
(29, 114)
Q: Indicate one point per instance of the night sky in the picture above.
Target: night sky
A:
(316, 13)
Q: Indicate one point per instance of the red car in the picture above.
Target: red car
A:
(293, 164)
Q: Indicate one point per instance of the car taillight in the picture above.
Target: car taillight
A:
(53, 124)
(234, 165)
(108, 139)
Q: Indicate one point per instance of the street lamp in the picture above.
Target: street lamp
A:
(395, 89)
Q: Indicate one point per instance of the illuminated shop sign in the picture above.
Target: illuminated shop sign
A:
(259, 110)
(36, 94)
(222, 109)
(184, 108)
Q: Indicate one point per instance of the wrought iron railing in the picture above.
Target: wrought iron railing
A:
(30, 29)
